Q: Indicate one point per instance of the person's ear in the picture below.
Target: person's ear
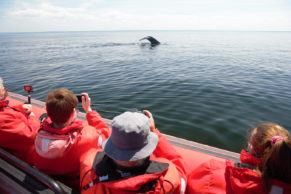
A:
(250, 147)
(5, 92)
(74, 114)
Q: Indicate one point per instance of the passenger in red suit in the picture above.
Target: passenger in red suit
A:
(62, 137)
(18, 126)
(264, 168)
(136, 158)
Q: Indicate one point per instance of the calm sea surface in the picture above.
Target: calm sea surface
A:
(209, 87)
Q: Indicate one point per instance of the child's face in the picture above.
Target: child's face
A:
(250, 144)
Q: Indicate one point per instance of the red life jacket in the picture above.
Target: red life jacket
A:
(53, 143)
(160, 177)
(17, 131)
(58, 150)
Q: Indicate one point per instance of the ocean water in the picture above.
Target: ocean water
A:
(205, 86)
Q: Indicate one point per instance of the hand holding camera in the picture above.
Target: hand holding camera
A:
(86, 101)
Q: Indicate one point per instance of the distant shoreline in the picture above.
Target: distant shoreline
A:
(149, 31)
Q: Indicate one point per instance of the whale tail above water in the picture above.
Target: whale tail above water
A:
(153, 41)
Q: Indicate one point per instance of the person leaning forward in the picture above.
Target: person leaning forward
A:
(135, 158)
(18, 127)
(264, 167)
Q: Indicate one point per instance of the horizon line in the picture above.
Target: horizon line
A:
(62, 31)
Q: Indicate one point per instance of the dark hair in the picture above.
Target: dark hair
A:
(60, 104)
(276, 158)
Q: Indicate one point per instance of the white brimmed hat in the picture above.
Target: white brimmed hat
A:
(131, 138)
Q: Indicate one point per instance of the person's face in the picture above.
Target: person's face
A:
(2, 90)
(250, 144)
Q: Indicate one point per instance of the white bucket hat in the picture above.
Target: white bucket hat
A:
(131, 138)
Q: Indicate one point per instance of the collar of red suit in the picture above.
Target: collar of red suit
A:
(247, 158)
(47, 125)
(3, 104)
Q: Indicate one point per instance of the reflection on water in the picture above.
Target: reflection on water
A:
(209, 87)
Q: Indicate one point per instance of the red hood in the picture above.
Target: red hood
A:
(47, 126)
(247, 158)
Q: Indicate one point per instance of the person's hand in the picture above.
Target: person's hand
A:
(86, 102)
(27, 108)
(150, 116)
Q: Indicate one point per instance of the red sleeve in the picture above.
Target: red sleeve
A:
(165, 150)
(86, 166)
(17, 133)
(32, 122)
(94, 119)
(18, 108)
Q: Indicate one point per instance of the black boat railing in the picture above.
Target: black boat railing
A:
(28, 170)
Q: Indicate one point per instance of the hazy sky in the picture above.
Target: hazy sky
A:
(91, 15)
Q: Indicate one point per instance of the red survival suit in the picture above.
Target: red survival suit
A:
(164, 173)
(227, 177)
(58, 151)
(17, 131)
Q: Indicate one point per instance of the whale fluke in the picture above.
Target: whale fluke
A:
(153, 41)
